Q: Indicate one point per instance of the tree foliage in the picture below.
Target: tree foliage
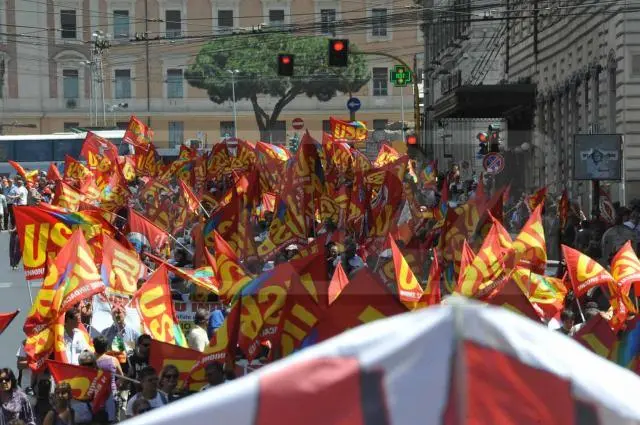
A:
(255, 57)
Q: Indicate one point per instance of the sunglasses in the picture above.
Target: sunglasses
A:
(5, 379)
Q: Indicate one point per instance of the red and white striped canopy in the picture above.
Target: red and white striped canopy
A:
(461, 363)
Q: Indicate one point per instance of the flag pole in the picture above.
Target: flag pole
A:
(30, 294)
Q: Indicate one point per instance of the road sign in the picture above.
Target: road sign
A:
(401, 76)
(353, 104)
(493, 163)
(297, 123)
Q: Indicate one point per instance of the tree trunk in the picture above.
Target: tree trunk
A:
(268, 123)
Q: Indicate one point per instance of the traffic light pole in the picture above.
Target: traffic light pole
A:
(416, 92)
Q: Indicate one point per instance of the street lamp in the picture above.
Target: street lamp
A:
(114, 108)
(233, 96)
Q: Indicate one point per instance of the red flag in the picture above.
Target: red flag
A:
(432, 294)
(563, 209)
(190, 197)
(28, 176)
(162, 354)
(87, 384)
(337, 284)
(585, 273)
(138, 134)
(535, 199)
(98, 146)
(6, 319)
(53, 173)
(143, 233)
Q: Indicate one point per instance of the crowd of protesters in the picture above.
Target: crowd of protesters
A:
(124, 352)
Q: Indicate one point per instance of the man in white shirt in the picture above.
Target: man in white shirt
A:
(74, 341)
(21, 194)
(197, 338)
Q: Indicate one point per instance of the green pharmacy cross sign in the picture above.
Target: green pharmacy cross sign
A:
(401, 76)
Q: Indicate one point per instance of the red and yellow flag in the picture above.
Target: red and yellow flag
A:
(535, 199)
(625, 268)
(338, 282)
(597, 336)
(121, 267)
(155, 307)
(28, 176)
(584, 272)
(409, 289)
(544, 292)
(87, 384)
(563, 209)
(67, 197)
(162, 354)
(529, 248)
(75, 171)
(138, 134)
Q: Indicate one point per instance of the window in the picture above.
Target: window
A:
(278, 133)
(225, 20)
(173, 22)
(121, 24)
(33, 150)
(328, 21)
(66, 147)
(70, 83)
(326, 126)
(176, 133)
(174, 84)
(380, 124)
(635, 65)
(123, 84)
(379, 22)
(122, 125)
(226, 129)
(6, 151)
(276, 18)
(70, 126)
(68, 24)
(380, 76)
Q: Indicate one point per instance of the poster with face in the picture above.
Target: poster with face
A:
(597, 157)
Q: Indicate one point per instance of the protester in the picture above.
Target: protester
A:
(567, 320)
(62, 413)
(120, 337)
(138, 360)
(168, 382)
(198, 338)
(215, 375)
(84, 412)
(149, 391)
(106, 362)
(216, 318)
(74, 339)
(14, 402)
(617, 235)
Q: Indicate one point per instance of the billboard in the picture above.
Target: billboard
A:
(597, 157)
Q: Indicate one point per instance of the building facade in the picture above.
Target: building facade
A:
(466, 50)
(51, 78)
(584, 58)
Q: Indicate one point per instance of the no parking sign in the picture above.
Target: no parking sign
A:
(493, 163)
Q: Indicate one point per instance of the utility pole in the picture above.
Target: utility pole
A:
(100, 45)
(146, 57)
(427, 91)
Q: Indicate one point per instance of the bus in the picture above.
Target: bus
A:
(37, 151)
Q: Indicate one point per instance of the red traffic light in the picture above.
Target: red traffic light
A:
(483, 137)
(412, 140)
(338, 46)
(285, 60)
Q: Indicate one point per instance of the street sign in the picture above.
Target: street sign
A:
(493, 163)
(353, 104)
(297, 123)
(401, 76)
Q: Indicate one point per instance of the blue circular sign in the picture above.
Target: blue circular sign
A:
(353, 104)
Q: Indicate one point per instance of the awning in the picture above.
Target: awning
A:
(490, 101)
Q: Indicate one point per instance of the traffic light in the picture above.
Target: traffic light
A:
(483, 138)
(285, 65)
(338, 52)
(494, 138)
(411, 139)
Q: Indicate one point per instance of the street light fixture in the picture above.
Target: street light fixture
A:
(233, 96)
(118, 107)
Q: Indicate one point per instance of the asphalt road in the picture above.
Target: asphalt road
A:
(14, 294)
